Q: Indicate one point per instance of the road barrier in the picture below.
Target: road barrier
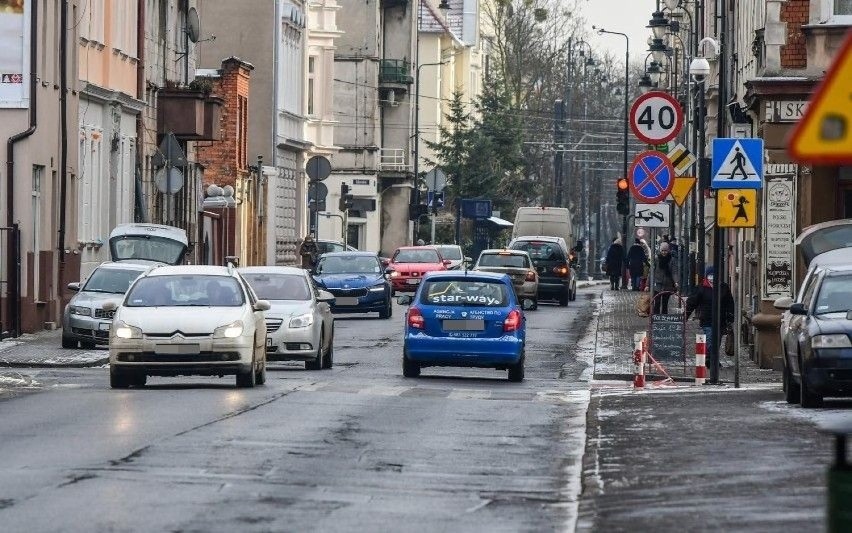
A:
(639, 360)
(700, 358)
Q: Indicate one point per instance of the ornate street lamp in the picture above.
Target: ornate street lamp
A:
(645, 83)
(655, 72)
(659, 50)
(658, 24)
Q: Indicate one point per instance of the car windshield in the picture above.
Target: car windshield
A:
(835, 295)
(464, 293)
(542, 251)
(111, 280)
(279, 286)
(349, 264)
(148, 247)
(504, 261)
(450, 252)
(186, 291)
(425, 255)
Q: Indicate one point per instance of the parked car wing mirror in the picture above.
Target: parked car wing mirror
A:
(783, 303)
(109, 306)
(404, 299)
(74, 286)
(262, 305)
(325, 296)
(798, 309)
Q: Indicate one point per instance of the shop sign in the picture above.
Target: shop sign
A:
(779, 224)
(785, 110)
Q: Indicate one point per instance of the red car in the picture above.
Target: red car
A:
(410, 263)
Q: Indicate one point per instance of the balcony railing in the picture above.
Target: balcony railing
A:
(395, 71)
(393, 160)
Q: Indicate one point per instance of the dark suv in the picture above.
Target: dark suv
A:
(551, 259)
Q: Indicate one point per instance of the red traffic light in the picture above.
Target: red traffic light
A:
(622, 184)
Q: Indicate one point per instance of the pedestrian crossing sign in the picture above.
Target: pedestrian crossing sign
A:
(737, 164)
(736, 208)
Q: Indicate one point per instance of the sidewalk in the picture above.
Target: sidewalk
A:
(43, 349)
(618, 321)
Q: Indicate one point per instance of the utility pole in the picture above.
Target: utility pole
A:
(558, 142)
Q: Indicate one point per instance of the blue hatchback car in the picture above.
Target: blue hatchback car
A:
(358, 282)
(470, 319)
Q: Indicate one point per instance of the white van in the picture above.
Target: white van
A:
(148, 242)
(546, 221)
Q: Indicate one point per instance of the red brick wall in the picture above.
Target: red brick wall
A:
(794, 54)
(225, 160)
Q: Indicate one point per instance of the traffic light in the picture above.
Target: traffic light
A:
(346, 198)
(622, 197)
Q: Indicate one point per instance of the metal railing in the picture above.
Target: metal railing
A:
(395, 71)
(393, 160)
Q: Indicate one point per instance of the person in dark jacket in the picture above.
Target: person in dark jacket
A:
(664, 283)
(309, 252)
(615, 263)
(636, 261)
(701, 302)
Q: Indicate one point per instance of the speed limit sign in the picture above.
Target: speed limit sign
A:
(656, 117)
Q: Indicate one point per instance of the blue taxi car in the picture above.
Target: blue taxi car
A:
(464, 319)
(358, 282)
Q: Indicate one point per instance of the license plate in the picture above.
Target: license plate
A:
(103, 326)
(346, 300)
(268, 342)
(413, 281)
(464, 325)
(170, 349)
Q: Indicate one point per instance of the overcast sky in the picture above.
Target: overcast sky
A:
(625, 16)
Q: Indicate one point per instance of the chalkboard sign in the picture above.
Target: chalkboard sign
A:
(667, 337)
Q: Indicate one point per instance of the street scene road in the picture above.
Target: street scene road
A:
(355, 448)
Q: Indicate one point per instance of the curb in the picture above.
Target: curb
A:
(38, 364)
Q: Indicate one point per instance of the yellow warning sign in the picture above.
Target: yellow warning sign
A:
(824, 134)
(681, 188)
(736, 208)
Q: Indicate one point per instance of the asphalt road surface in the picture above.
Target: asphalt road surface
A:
(358, 447)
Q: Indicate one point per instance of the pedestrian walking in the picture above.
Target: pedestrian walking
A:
(308, 252)
(664, 283)
(701, 302)
(615, 263)
(636, 262)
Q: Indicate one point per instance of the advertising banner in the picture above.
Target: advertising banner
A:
(14, 53)
(779, 219)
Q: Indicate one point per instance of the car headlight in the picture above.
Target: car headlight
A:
(377, 288)
(79, 310)
(126, 331)
(229, 331)
(302, 321)
(395, 274)
(839, 340)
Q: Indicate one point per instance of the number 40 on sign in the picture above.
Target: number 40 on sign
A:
(656, 117)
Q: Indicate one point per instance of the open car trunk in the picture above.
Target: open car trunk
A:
(825, 237)
(148, 242)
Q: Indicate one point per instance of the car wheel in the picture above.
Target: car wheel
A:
(247, 380)
(564, 297)
(572, 295)
(410, 369)
(68, 342)
(516, 371)
(316, 362)
(791, 388)
(808, 399)
(118, 380)
(534, 304)
(388, 311)
(329, 355)
(87, 345)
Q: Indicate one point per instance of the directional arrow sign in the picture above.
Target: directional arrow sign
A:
(652, 215)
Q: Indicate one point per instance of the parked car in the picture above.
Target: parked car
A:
(188, 320)
(358, 282)
(299, 324)
(557, 278)
(85, 322)
(518, 266)
(409, 264)
(148, 242)
(454, 254)
(466, 319)
(817, 345)
(326, 246)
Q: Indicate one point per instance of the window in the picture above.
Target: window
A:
(503, 261)
(464, 293)
(311, 83)
(186, 291)
(279, 286)
(842, 7)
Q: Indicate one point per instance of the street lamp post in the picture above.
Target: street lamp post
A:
(417, 142)
(626, 118)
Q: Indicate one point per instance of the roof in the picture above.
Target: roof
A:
(445, 245)
(504, 251)
(545, 238)
(417, 247)
(193, 270)
(272, 269)
(351, 253)
(839, 269)
(474, 274)
(130, 264)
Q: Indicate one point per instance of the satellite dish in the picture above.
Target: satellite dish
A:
(193, 25)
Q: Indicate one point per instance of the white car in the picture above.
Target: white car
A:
(188, 320)
(453, 253)
(299, 323)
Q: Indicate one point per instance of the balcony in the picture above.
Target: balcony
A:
(393, 163)
(395, 73)
(192, 115)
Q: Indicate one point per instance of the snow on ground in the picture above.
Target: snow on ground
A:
(14, 380)
(833, 410)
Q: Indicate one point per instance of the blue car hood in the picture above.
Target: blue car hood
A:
(349, 281)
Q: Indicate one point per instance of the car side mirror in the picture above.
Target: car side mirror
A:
(404, 299)
(447, 262)
(783, 303)
(74, 286)
(109, 306)
(325, 297)
(385, 261)
(798, 309)
(262, 305)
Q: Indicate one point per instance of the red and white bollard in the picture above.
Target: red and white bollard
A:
(700, 358)
(638, 365)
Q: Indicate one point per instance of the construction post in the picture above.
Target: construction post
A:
(700, 358)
